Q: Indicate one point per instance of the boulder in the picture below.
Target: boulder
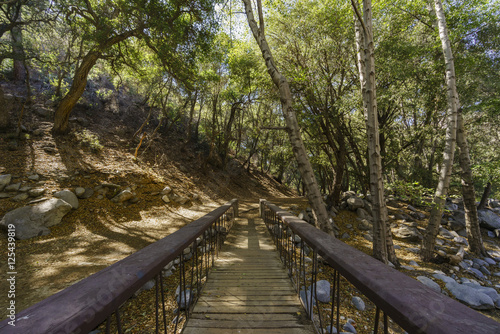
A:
(493, 203)
(354, 203)
(13, 187)
(489, 219)
(408, 233)
(68, 196)
(4, 181)
(35, 192)
(79, 191)
(322, 291)
(32, 221)
(471, 296)
(358, 303)
(362, 213)
(123, 196)
(429, 283)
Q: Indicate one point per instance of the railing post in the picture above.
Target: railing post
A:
(261, 208)
(234, 203)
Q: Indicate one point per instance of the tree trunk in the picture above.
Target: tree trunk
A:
(18, 53)
(451, 134)
(383, 247)
(314, 195)
(468, 192)
(484, 198)
(75, 92)
(227, 133)
(191, 116)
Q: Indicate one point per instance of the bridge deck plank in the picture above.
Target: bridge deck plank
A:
(248, 290)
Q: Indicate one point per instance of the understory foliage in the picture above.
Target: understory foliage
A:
(195, 71)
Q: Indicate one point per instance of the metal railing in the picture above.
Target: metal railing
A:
(405, 303)
(98, 300)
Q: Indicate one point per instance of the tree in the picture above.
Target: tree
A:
(307, 173)
(383, 247)
(171, 29)
(451, 135)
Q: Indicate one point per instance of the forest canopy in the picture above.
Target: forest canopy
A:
(196, 67)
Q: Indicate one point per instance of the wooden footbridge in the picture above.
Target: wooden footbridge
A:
(259, 273)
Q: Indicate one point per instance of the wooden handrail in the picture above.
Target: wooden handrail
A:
(409, 303)
(86, 304)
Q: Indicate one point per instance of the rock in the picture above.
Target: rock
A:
(408, 233)
(20, 197)
(485, 271)
(441, 276)
(470, 296)
(24, 189)
(451, 207)
(345, 236)
(123, 196)
(330, 330)
(184, 299)
(413, 250)
(181, 199)
(12, 187)
(43, 112)
(407, 268)
(491, 234)
(364, 225)
(489, 219)
(429, 283)
(413, 263)
(35, 192)
(445, 233)
(32, 221)
(349, 326)
(50, 150)
(34, 177)
(490, 261)
(362, 213)
(166, 199)
(322, 291)
(493, 203)
(358, 303)
(167, 190)
(476, 273)
(354, 203)
(461, 240)
(89, 192)
(4, 181)
(68, 196)
(79, 191)
(411, 208)
(368, 237)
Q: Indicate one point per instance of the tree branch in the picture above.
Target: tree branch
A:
(358, 14)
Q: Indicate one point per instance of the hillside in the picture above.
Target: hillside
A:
(99, 151)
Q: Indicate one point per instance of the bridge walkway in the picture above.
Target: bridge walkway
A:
(248, 290)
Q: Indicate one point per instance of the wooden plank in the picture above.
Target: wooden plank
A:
(249, 309)
(196, 330)
(250, 317)
(243, 323)
(209, 298)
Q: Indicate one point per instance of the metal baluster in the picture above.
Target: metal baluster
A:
(157, 296)
(163, 302)
(338, 300)
(386, 327)
(333, 300)
(108, 325)
(377, 317)
(118, 321)
(315, 285)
